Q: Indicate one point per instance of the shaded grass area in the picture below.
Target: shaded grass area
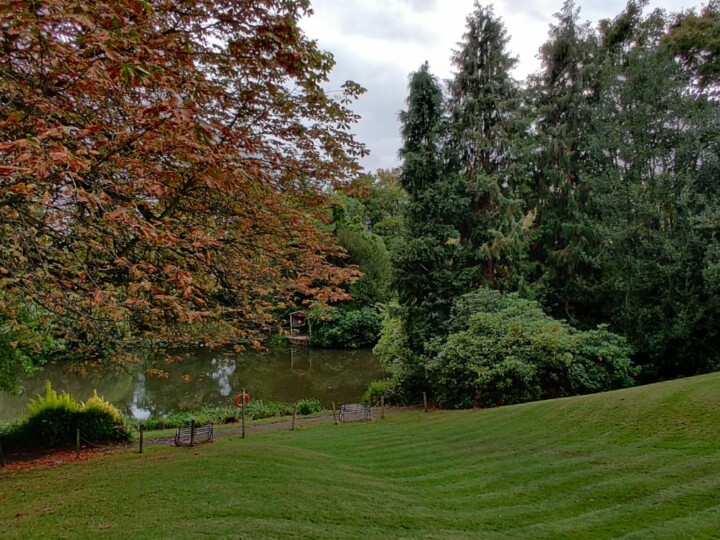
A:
(637, 463)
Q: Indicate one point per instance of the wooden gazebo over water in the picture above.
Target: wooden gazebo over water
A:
(299, 328)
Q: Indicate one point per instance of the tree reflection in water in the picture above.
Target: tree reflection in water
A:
(192, 379)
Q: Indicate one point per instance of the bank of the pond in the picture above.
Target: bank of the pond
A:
(202, 378)
(255, 410)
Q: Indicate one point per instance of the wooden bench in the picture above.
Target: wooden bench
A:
(192, 434)
(356, 411)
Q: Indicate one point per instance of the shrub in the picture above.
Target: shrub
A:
(10, 436)
(503, 349)
(308, 406)
(97, 404)
(51, 423)
(52, 400)
(393, 348)
(344, 328)
(50, 428)
(510, 381)
(390, 388)
(206, 415)
(258, 409)
(602, 362)
(53, 419)
(101, 421)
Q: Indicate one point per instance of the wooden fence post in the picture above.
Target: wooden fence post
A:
(425, 401)
(242, 414)
(334, 415)
(192, 432)
(142, 435)
(77, 443)
(294, 416)
(382, 407)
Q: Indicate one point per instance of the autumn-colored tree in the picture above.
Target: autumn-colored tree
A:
(163, 163)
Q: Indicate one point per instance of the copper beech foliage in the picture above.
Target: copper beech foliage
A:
(164, 163)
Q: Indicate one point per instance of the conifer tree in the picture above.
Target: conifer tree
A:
(426, 278)
(485, 125)
(563, 94)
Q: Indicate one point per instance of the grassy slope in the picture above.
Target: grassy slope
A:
(643, 462)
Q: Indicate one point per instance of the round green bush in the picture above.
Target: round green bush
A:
(344, 328)
(390, 388)
(503, 349)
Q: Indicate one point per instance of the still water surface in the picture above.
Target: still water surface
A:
(212, 378)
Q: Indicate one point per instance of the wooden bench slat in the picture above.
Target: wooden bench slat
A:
(184, 435)
(355, 409)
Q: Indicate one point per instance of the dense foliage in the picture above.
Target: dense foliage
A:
(26, 340)
(366, 222)
(164, 165)
(54, 418)
(340, 328)
(590, 192)
(256, 410)
(503, 349)
(390, 389)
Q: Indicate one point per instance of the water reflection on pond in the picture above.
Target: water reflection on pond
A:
(213, 378)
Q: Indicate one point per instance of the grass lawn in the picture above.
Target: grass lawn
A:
(638, 463)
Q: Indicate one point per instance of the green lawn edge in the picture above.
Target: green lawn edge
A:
(636, 463)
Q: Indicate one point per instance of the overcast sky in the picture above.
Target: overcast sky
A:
(377, 43)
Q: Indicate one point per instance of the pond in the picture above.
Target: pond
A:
(202, 377)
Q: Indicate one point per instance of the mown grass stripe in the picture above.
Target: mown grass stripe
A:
(638, 462)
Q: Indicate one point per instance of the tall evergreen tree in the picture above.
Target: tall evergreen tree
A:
(563, 95)
(426, 277)
(484, 126)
